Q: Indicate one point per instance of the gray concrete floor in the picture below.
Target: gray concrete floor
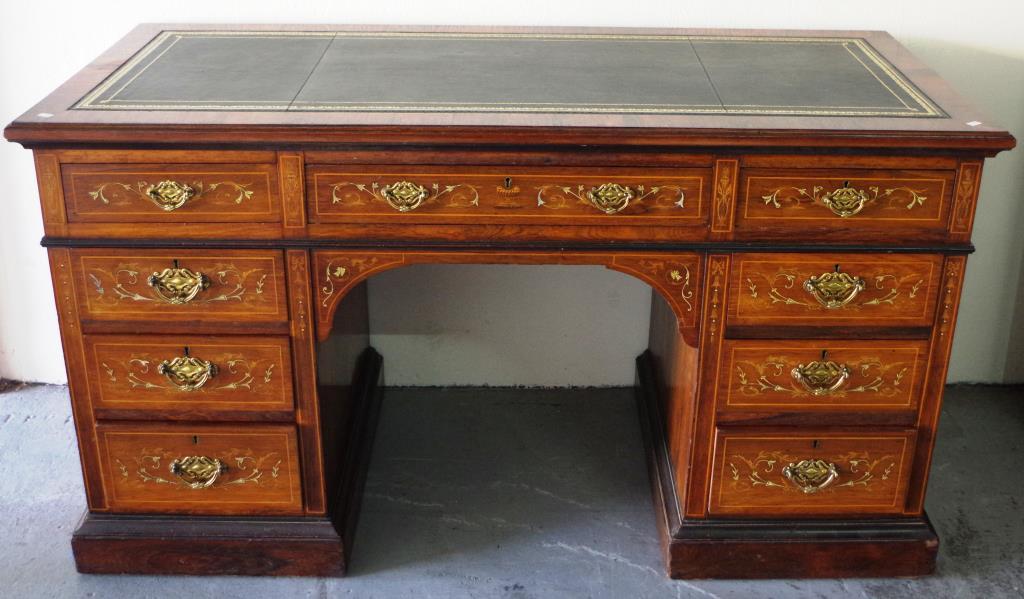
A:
(516, 493)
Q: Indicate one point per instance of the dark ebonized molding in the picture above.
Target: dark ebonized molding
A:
(953, 250)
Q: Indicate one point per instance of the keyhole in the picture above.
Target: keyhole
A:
(186, 351)
(195, 440)
(175, 262)
(824, 355)
(837, 267)
(815, 444)
(846, 183)
(508, 182)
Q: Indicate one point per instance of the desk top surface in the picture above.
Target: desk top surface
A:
(357, 78)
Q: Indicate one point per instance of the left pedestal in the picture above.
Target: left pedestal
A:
(249, 546)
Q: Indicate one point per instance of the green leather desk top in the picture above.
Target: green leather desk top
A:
(509, 72)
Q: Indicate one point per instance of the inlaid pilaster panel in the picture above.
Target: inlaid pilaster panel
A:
(307, 403)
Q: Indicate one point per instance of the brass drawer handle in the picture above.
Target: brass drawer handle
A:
(811, 476)
(198, 471)
(610, 198)
(178, 285)
(404, 196)
(821, 377)
(846, 201)
(834, 289)
(170, 195)
(187, 373)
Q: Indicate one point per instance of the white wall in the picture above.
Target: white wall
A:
(508, 325)
(976, 45)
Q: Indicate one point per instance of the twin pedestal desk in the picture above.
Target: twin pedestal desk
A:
(214, 199)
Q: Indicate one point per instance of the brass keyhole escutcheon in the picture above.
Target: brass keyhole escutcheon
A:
(507, 188)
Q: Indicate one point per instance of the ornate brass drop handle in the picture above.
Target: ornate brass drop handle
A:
(187, 373)
(811, 476)
(834, 289)
(610, 197)
(821, 377)
(846, 201)
(404, 196)
(198, 471)
(178, 285)
(170, 195)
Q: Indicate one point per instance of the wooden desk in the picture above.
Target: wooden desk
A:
(215, 197)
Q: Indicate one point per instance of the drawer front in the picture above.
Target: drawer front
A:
(842, 205)
(153, 193)
(834, 289)
(810, 473)
(180, 285)
(200, 469)
(821, 375)
(600, 196)
(189, 378)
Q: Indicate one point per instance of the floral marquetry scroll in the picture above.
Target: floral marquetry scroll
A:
(788, 473)
(157, 466)
(168, 195)
(846, 201)
(404, 195)
(337, 272)
(175, 286)
(775, 473)
(612, 198)
(676, 277)
(966, 197)
(726, 172)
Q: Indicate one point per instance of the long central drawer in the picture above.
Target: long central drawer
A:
(594, 196)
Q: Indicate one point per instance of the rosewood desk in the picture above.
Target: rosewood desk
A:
(214, 199)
